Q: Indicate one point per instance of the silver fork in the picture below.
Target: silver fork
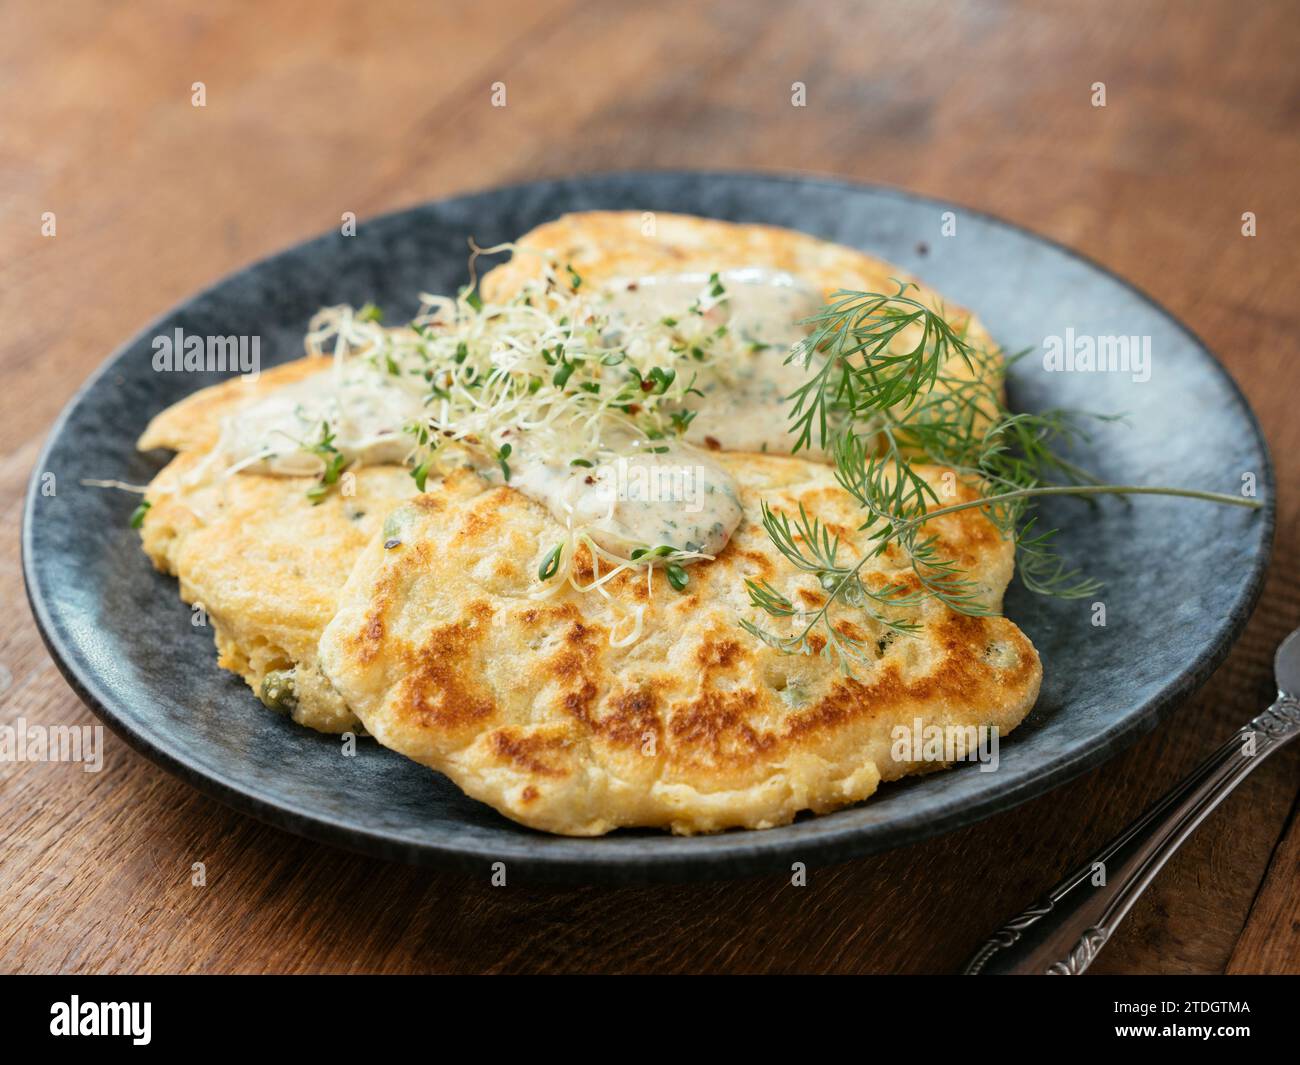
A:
(1062, 934)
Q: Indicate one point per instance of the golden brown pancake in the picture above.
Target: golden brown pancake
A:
(604, 246)
(608, 246)
(265, 563)
(267, 566)
(697, 726)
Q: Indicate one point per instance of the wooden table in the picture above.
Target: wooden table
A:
(314, 108)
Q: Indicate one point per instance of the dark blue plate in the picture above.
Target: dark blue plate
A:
(1181, 577)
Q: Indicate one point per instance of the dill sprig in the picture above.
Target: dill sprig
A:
(857, 335)
(898, 386)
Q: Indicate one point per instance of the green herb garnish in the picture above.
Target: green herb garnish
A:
(551, 563)
(334, 463)
(881, 401)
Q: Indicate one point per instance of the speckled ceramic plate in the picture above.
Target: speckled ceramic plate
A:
(1181, 577)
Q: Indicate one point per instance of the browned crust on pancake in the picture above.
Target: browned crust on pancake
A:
(266, 564)
(697, 726)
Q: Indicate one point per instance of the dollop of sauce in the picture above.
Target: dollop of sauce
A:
(743, 407)
(364, 408)
(650, 495)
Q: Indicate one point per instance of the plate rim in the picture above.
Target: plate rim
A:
(750, 852)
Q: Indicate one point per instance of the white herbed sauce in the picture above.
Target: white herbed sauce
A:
(675, 497)
(649, 493)
(743, 407)
(364, 408)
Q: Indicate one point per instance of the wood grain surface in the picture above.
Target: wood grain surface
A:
(317, 107)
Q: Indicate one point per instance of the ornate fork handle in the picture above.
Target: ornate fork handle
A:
(1062, 934)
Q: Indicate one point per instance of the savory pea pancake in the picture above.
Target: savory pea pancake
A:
(265, 563)
(610, 246)
(651, 264)
(549, 710)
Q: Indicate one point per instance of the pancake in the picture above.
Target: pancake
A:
(605, 246)
(267, 566)
(265, 563)
(621, 249)
(696, 726)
